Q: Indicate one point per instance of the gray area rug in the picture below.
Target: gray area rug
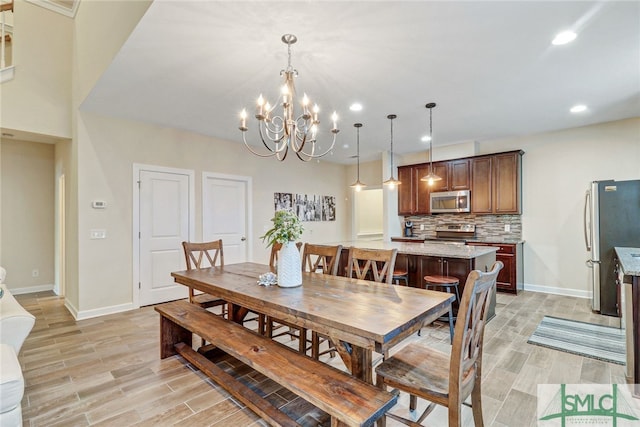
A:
(585, 339)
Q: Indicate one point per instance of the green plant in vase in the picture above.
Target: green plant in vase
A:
(286, 229)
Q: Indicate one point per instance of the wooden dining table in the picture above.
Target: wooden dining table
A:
(358, 316)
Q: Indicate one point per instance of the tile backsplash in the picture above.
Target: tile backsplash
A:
(487, 226)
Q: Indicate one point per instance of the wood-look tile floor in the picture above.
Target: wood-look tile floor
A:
(106, 371)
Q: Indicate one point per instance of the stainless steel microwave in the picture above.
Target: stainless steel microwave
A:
(451, 201)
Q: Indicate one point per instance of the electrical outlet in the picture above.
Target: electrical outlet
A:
(35, 272)
(507, 228)
(421, 227)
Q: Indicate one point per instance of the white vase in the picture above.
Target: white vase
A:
(289, 266)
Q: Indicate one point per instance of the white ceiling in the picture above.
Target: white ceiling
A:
(489, 66)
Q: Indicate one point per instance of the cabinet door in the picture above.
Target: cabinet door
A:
(431, 266)
(506, 183)
(481, 185)
(406, 191)
(459, 268)
(442, 170)
(422, 190)
(459, 175)
(507, 276)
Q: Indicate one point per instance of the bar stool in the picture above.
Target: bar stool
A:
(450, 284)
(400, 275)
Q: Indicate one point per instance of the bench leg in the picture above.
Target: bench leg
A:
(171, 334)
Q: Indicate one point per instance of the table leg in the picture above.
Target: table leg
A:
(237, 313)
(357, 359)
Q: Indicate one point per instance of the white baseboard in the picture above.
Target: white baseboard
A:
(72, 309)
(102, 311)
(31, 289)
(579, 293)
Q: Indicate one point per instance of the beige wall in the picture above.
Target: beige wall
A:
(38, 99)
(27, 214)
(557, 170)
(108, 149)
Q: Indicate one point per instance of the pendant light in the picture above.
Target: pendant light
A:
(391, 182)
(431, 177)
(358, 185)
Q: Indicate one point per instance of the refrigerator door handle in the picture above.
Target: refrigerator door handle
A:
(587, 220)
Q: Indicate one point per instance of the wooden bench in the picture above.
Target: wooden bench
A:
(347, 399)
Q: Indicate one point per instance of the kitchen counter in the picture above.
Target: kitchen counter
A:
(420, 259)
(500, 240)
(629, 260)
(436, 249)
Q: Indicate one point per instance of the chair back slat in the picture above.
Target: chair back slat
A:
(466, 352)
(196, 253)
(321, 258)
(372, 264)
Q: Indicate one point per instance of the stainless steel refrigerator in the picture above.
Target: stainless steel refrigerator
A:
(611, 218)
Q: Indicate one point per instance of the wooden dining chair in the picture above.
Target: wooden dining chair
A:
(321, 259)
(372, 264)
(446, 379)
(273, 325)
(203, 255)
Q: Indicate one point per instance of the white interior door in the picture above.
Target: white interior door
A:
(164, 223)
(226, 214)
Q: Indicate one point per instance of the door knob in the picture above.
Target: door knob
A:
(243, 238)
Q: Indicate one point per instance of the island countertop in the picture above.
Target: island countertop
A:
(439, 249)
(629, 260)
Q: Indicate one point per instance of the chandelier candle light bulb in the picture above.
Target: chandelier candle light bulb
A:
(280, 132)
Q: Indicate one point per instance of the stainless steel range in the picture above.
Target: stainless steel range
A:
(453, 233)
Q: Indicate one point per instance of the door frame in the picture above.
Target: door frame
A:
(248, 203)
(135, 229)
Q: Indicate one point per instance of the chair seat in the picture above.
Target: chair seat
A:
(399, 273)
(422, 369)
(441, 280)
(206, 300)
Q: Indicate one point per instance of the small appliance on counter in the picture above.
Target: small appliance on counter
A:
(408, 229)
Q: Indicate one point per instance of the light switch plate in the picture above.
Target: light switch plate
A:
(98, 234)
(507, 227)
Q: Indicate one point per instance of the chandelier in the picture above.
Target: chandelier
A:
(284, 130)
(431, 177)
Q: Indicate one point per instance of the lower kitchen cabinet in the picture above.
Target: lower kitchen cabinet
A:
(511, 277)
(419, 266)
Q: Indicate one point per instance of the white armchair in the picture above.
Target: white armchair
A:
(15, 325)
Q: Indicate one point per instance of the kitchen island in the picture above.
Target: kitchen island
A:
(628, 260)
(428, 258)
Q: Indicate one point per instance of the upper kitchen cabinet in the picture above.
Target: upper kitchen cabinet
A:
(413, 198)
(406, 191)
(496, 183)
(459, 175)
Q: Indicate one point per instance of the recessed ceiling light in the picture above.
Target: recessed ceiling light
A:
(425, 138)
(578, 108)
(564, 38)
(356, 106)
